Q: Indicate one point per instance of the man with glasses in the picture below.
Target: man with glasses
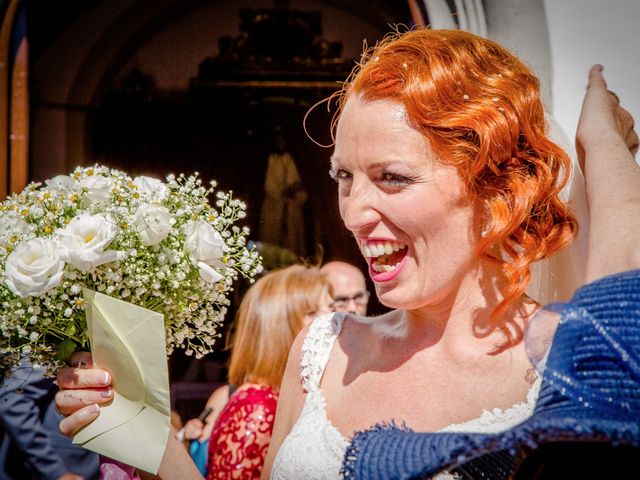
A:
(349, 288)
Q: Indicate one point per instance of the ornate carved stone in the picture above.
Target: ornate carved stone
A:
(277, 47)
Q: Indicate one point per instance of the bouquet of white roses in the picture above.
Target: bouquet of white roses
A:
(159, 245)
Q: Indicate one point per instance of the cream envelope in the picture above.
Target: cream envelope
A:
(129, 342)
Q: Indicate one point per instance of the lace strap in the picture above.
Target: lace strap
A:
(316, 348)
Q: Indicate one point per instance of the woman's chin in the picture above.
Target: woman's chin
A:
(393, 298)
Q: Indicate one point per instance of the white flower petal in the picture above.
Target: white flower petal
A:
(98, 188)
(153, 223)
(208, 274)
(151, 189)
(34, 267)
(84, 241)
(204, 244)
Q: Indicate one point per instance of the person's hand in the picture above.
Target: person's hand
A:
(206, 431)
(602, 119)
(193, 429)
(82, 390)
(71, 476)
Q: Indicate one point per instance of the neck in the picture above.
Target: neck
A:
(461, 318)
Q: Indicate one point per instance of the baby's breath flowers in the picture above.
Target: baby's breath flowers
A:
(156, 244)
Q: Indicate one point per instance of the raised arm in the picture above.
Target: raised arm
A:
(607, 144)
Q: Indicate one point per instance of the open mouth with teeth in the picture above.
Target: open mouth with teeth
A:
(384, 255)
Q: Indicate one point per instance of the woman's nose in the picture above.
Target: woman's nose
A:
(358, 206)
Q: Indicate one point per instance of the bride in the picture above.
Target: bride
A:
(450, 186)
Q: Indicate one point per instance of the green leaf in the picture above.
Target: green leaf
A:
(65, 349)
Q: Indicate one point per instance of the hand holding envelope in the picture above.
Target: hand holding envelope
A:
(129, 342)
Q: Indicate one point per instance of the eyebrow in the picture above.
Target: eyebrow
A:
(380, 164)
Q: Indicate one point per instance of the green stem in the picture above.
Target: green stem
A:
(61, 334)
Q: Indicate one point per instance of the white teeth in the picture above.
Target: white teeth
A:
(378, 267)
(375, 249)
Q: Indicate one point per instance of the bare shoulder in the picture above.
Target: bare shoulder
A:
(360, 332)
(291, 391)
(290, 402)
(217, 401)
(295, 353)
(219, 396)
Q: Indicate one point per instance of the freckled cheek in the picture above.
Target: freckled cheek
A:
(433, 234)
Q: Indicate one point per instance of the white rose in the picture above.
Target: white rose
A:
(60, 182)
(34, 267)
(84, 241)
(98, 188)
(151, 189)
(206, 248)
(153, 223)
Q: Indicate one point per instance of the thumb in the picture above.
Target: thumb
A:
(596, 79)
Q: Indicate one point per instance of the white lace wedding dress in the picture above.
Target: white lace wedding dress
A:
(314, 448)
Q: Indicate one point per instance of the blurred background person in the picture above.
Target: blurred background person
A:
(350, 292)
(196, 432)
(270, 316)
(32, 446)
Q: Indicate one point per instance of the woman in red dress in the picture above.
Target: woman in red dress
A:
(270, 316)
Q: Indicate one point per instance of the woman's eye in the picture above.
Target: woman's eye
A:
(395, 180)
(339, 174)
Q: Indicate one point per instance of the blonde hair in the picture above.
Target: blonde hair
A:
(268, 320)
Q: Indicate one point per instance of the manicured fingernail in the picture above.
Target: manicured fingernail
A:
(90, 412)
(107, 393)
(106, 379)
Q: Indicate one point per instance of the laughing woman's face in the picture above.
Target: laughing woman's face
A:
(409, 213)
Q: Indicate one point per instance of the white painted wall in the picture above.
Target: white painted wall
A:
(521, 26)
(584, 32)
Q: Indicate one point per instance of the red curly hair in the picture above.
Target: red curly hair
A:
(480, 109)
